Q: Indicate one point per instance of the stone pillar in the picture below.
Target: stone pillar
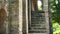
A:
(20, 16)
(45, 8)
(26, 16)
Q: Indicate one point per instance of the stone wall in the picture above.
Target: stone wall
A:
(13, 16)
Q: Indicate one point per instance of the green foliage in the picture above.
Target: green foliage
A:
(55, 9)
(55, 6)
(39, 7)
(56, 28)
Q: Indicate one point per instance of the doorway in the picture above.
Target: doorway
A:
(36, 17)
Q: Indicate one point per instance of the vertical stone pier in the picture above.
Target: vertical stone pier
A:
(20, 16)
(45, 8)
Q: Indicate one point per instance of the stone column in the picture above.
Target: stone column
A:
(20, 16)
(45, 8)
(26, 16)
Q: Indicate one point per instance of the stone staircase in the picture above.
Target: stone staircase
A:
(37, 22)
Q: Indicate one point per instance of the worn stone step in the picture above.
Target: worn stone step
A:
(38, 31)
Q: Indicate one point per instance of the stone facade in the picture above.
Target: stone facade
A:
(17, 16)
(13, 9)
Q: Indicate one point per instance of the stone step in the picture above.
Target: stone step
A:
(37, 22)
(38, 27)
(38, 31)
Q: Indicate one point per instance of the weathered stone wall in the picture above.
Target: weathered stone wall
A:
(3, 17)
(13, 16)
(45, 8)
